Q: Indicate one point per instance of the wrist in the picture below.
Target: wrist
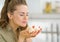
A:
(28, 40)
(21, 39)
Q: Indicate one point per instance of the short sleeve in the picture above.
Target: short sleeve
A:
(2, 39)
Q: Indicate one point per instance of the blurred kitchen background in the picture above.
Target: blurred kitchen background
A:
(44, 14)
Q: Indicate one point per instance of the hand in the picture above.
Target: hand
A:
(36, 32)
(27, 34)
(24, 34)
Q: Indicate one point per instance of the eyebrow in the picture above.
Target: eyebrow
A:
(23, 12)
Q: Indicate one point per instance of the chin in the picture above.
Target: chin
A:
(23, 25)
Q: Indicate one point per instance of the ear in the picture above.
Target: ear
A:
(9, 15)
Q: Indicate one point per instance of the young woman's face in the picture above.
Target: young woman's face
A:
(20, 15)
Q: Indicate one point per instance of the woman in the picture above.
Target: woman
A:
(13, 22)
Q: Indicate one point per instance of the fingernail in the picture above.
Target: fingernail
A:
(33, 27)
(39, 27)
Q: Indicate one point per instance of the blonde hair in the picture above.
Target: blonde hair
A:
(9, 6)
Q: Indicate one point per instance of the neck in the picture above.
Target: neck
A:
(13, 26)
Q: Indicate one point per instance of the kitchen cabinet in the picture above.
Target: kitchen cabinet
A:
(36, 8)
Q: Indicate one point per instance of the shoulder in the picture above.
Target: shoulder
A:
(1, 30)
(1, 36)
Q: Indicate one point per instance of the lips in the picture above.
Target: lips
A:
(24, 22)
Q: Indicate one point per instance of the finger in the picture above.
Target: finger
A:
(39, 30)
(34, 34)
(33, 27)
(24, 32)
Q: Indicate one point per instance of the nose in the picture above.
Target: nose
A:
(25, 17)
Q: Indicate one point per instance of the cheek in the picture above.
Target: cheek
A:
(17, 20)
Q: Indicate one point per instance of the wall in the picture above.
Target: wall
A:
(1, 5)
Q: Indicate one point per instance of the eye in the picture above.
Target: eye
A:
(27, 15)
(21, 15)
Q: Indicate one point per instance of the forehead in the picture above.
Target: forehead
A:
(23, 8)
